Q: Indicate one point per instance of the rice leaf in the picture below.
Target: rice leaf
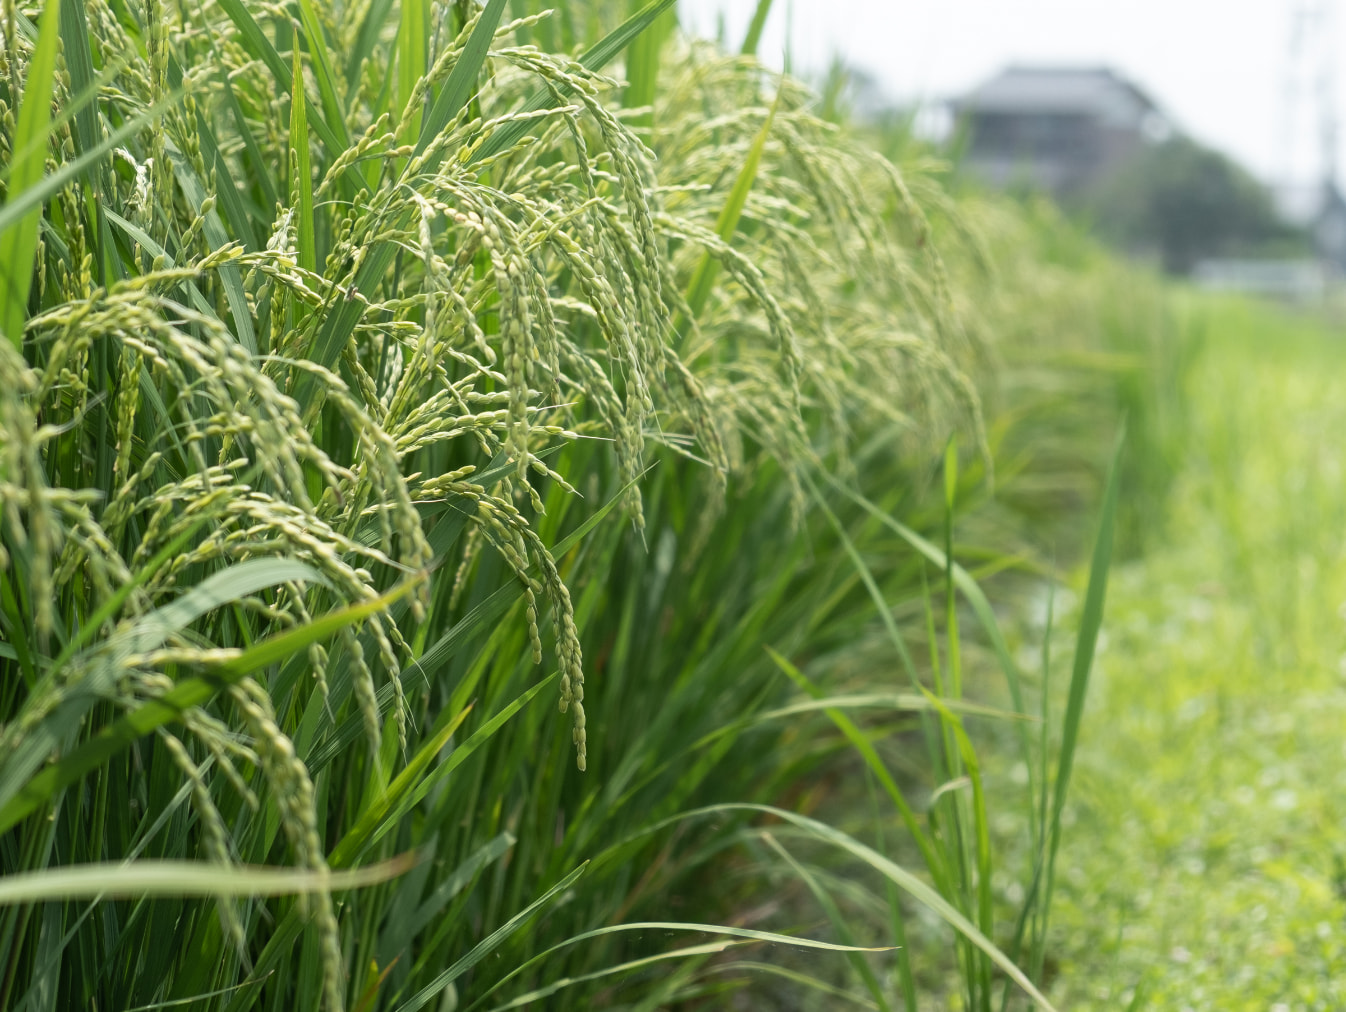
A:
(322, 73)
(463, 78)
(18, 238)
(134, 879)
(302, 185)
(79, 63)
(595, 58)
(1086, 642)
(972, 593)
(157, 712)
(410, 64)
(933, 861)
(727, 931)
(489, 944)
(703, 279)
(642, 65)
(835, 916)
(380, 812)
(365, 41)
(755, 26)
(904, 880)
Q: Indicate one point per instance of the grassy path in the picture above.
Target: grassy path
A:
(1204, 864)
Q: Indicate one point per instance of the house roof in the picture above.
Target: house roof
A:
(1095, 91)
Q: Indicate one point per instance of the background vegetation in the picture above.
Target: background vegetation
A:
(1204, 866)
(376, 377)
(1180, 202)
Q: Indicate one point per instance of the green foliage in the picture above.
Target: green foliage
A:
(1181, 202)
(1203, 861)
(18, 244)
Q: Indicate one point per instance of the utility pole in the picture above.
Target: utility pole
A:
(1308, 129)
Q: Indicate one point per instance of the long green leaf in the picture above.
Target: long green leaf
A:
(410, 64)
(933, 862)
(726, 931)
(185, 878)
(1086, 642)
(754, 36)
(642, 65)
(18, 241)
(79, 62)
(703, 279)
(187, 693)
(362, 833)
(322, 72)
(902, 878)
(596, 58)
(834, 914)
(488, 944)
(302, 184)
(972, 593)
(462, 80)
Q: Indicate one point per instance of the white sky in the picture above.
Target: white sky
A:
(1219, 68)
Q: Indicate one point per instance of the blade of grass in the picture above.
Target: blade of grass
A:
(79, 63)
(1086, 642)
(642, 64)
(835, 916)
(933, 861)
(365, 42)
(489, 944)
(185, 694)
(18, 240)
(972, 593)
(981, 828)
(794, 977)
(302, 185)
(703, 279)
(411, 65)
(904, 879)
(454, 95)
(755, 26)
(750, 934)
(322, 72)
(186, 878)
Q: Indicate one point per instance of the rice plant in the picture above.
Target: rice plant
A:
(376, 380)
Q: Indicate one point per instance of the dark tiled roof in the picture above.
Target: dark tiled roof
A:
(1092, 90)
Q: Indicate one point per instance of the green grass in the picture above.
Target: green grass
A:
(1202, 866)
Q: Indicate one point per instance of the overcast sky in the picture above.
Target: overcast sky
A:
(1219, 68)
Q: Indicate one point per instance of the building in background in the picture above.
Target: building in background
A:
(1057, 129)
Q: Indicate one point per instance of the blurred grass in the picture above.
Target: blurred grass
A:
(1205, 862)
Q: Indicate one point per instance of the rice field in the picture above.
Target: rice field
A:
(507, 508)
